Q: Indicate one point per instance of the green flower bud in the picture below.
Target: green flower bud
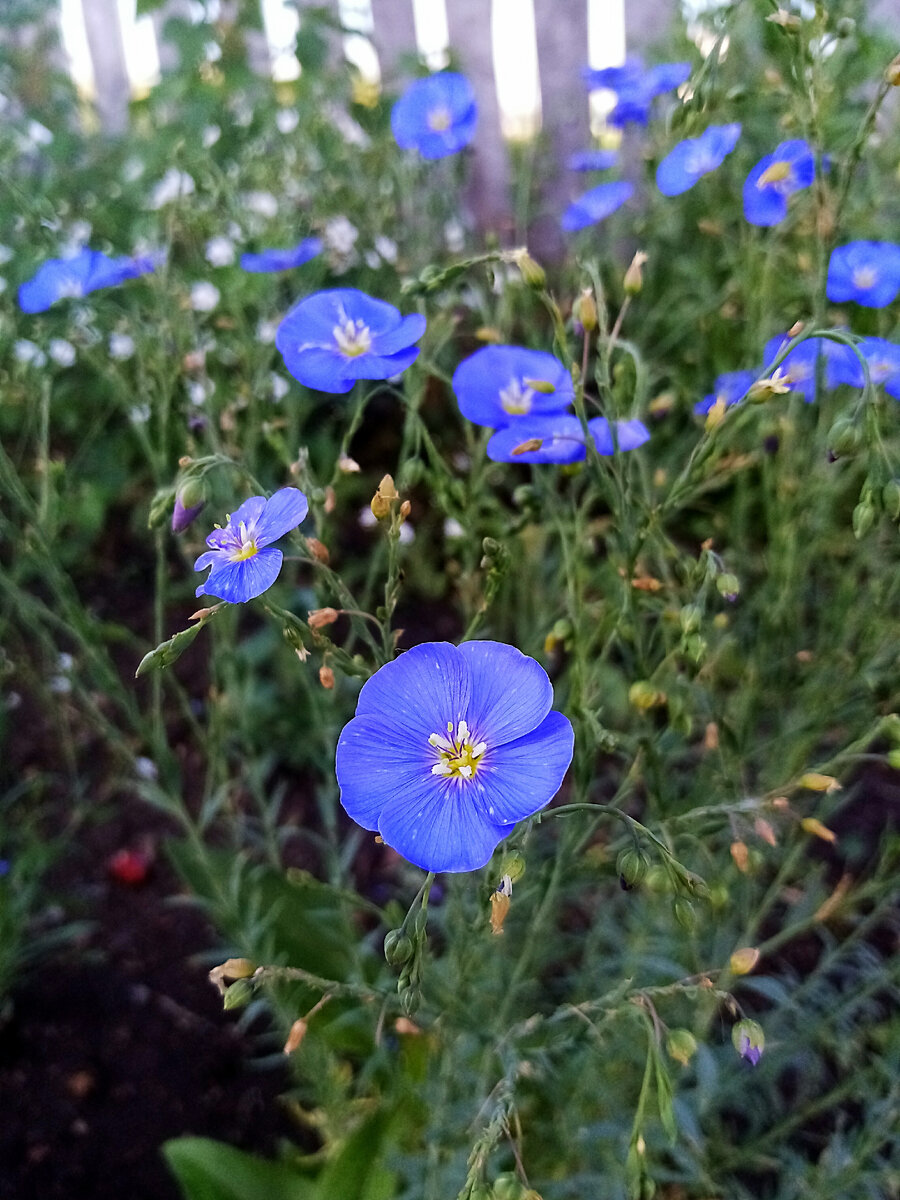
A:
(863, 519)
(192, 492)
(508, 1186)
(749, 1040)
(681, 1045)
(410, 999)
(844, 437)
(690, 617)
(398, 948)
(632, 865)
(890, 498)
(728, 585)
(684, 913)
(238, 994)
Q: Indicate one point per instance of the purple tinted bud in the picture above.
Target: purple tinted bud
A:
(749, 1040)
(182, 517)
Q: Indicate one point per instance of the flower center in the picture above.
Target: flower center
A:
(458, 753)
(245, 545)
(515, 399)
(777, 173)
(68, 288)
(353, 338)
(865, 277)
(880, 370)
(439, 119)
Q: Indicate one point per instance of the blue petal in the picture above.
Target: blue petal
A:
(883, 358)
(282, 260)
(409, 330)
(511, 693)
(480, 378)
(517, 779)
(373, 366)
(731, 386)
(593, 160)
(881, 258)
(693, 158)
(596, 205)
(561, 434)
(238, 582)
(283, 512)
(629, 435)
(763, 205)
(419, 693)
(319, 369)
(372, 763)
(249, 512)
(440, 827)
(665, 77)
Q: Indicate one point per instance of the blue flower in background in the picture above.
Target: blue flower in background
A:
(244, 563)
(629, 435)
(883, 358)
(450, 748)
(436, 115)
(84, 272)
(593, 160)
(499, 385)
(332, 338)
(560, 434)
(867, 272)
(730, 387)
(636, 87)
(841, 364)
(790, 168)
(695, 157)
(595, 205)
(282, 260)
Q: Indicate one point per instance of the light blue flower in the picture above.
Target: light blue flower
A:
(282, 260)
(450, 748)
(332, 338)
(244, 562)
(790, 168)
(867, 272)
(497, 385)
(84, 272)
(560, 435)
(801, 365)
(629, 435)
(883, 359)
(595, 205)
(636, 87)
(695, 157)
(436, 115)
(730, 387)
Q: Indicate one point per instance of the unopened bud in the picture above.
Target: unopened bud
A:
(318, 618)
(347, 465)
(584, 311)
(728, 585)
(819, 783)
(681, 1045)
(749, 1040)
(384, 496)
(500, 903)
(183, 513)
(404, 1026)
(814, 826)
(318, 550)
(844, 437)
(689, 618)
(296, 1036)
(684, 912)
(890, 498)
(633, 281)
(326, 678)
(330, 499)
(741, 856)
(238, 995)
(405, 510)
(863, 519)
(632, 865)
(512, 865)
(398, 948)
(892, 72)
(532, 272)
(744, 960)
(487, 333)
(643, 695)
(232, 969)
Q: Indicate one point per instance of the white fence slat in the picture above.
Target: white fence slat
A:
(111, 82)
(394, 34)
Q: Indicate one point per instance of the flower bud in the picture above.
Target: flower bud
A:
(643, 695)
(633, 281)
(749, 1040)
(584, 311)
(744, 960)
(685, 913)
(863, 519)
(318, 550)
(233, 968)
(844, 437)
(398, 948)
(681, 1045)
(528, 446)
(890, 498)
(689, 618)
(384, 496)
(296, 1036)
(347, 465)
(410, 999)
(632, 865)
(814, 826)
(513, 865)
(816, 782)
(728, 585)
(318, 618)
(508, 1187)
(326, 678)
(532, 272)
(238, 995)
(500, 903)
(892, 72)
(405, 510)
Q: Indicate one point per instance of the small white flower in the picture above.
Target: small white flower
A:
(280, 386)
(140, 414)
(287, 120)
(38, 134)
(79, 233)
(265, 332)
(263, 204)
(145, 768)
(220, 252)
(367, 518)
(132, 170)
(454, 236)
(453, 529)
(65, 662)
(350, 131)
(211, 135)
(407, 534)
(212, 51)
(62, 352)
(25, 351)
(60, 685)
(204, 296)
(340, 235)
(386, 248)
(173, 185)
(371, 259)
(121, 346)
(199, 391)
(5, 254)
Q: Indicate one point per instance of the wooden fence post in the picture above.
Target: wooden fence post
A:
(469, 25)
(394, 34)
(111, 84)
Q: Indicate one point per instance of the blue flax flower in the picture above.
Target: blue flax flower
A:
(800, 366)
(282, 260)
(883, 358)
(436, 115)
(499, 384)
(562, 438)
(790, 168)
(629, 435)
(867, 272)
(84, 272)
(449, 748)
(636, 87)
(332, 338)
(695, 157)
(244, 562)
(593, 160)
(595, 205)
(730, 387)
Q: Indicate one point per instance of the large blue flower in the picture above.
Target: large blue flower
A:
(730, 387)
(867, 272)
(436, 115)
(790, 168)
(801, 365)
(694, 157)
(332, 338)
(883, 358)
(244, 562)
(282, 260)
(84, 272)
(636, 87)
(561, 438)
(450, 748)
(498, 384)
(595, 205)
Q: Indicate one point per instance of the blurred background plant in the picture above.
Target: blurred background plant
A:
(717, 611)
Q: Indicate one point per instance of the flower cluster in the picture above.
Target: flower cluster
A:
(450, 748)
(636, 87)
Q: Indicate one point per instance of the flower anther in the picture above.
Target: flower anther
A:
(459, 753)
